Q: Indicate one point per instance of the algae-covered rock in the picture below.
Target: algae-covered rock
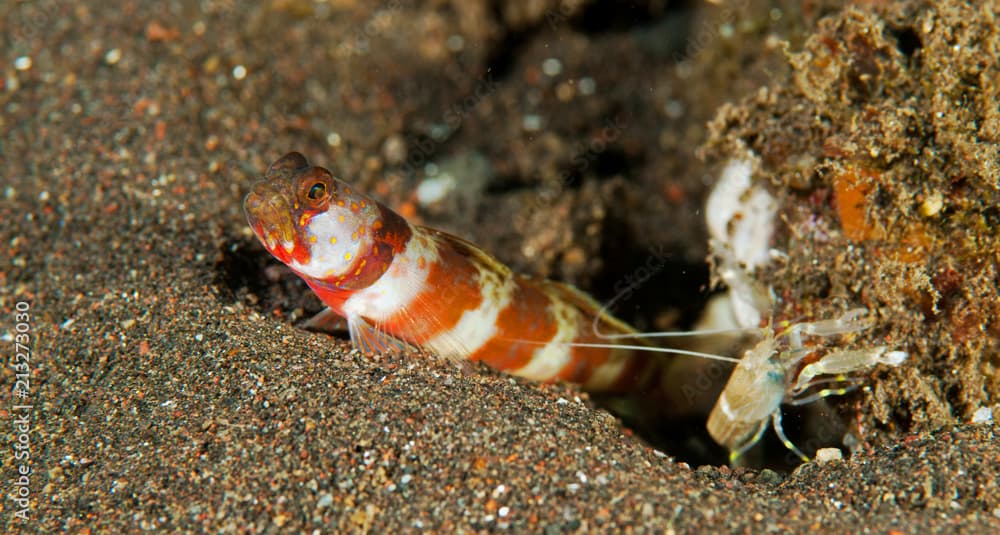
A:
(881, 147)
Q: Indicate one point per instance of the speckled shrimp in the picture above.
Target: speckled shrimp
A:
(400, 284)
(770, 374)
(740, 216)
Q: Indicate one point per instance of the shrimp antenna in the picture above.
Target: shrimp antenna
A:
(651, 349)
(605, 311)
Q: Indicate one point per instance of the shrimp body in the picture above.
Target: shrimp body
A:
(770, 374)
(402, 284)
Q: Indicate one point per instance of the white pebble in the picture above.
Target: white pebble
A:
(455, 42)
(433, 190)
(983, 415)
(932, 205)
(531, 123)
(674, 109)
(825, 455)
(552, 67)
(113, 56)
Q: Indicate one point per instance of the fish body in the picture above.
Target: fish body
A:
(402, 284)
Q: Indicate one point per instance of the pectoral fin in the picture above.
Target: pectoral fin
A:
(326, 321)
(367, 338)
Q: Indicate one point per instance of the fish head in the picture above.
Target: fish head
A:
(321, 227)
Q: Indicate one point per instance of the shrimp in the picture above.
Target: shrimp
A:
(740, 217)
(769, 375)
(400, 285)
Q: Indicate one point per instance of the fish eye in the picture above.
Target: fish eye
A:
(315, 187)
(317, 191)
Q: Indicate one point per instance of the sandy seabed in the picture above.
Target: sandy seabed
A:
(169, 387)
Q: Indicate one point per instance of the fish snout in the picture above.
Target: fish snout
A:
(269, 213)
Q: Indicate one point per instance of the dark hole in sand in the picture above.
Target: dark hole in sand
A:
(600, 17)
(603, 165)
(679, 289)
(907, 40)
(614, 16)
(991, 216)
(248, 274)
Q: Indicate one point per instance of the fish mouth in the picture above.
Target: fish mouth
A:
(270, 215)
